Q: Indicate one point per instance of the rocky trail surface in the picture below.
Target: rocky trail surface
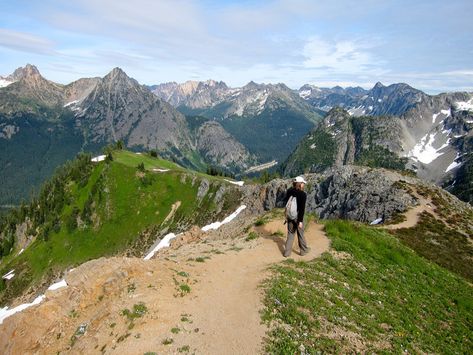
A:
(201, 295)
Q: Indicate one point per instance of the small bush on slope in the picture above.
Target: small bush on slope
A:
(370, 294)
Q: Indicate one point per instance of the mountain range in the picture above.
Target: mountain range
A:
(43, 124)
(267, 119)
(202, 124)
(393, 126)
(431, 133)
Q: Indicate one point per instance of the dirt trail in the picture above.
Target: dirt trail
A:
(413, 215)
(219, 315)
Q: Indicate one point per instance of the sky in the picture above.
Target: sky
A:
(427, 44)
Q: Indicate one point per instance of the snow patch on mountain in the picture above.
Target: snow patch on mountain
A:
(98, 158)
(217, 225)
(454, 164)
(57, 285)
(305, 93)
(163, 243)
(5, 312)
(5, 82)
(446, 112)
(357, 111)
(424, 151)
(464, 105)
(71, 103)
(9, 275)
(239, 183)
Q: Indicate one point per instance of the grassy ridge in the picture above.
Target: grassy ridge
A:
(371, 294)
(120, 209)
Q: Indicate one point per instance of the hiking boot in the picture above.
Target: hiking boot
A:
(305, 252)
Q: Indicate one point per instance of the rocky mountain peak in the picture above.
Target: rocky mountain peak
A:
(308, 87)
(378, 85)
(251, 85)
(28, 71)
(118, 75)
(212, 84)
(27, 82)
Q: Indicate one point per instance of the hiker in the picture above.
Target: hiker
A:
(295, 220)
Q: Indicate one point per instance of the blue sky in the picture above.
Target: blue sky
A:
(427, 44)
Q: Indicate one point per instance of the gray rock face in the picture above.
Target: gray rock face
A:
(437, 124)
(359, 194)
(221, 149)
(119, 108)
(341, 139)
(79, 89)
(348, 192)
(203, 189)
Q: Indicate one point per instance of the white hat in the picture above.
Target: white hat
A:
(300, 179)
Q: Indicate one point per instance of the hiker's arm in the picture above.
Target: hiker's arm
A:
(301, 207)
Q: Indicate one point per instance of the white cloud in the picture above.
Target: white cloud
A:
(25, 42)
(342, 56)
(292, 41)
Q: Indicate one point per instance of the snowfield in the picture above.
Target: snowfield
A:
(424, 151)
(464, 105)
(71, 103)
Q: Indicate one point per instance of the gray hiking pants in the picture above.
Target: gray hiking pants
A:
(292, 228)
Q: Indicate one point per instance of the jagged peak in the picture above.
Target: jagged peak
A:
(309, 87)
(27, 71)
(403, 86)
(214, 83)
(378, 85)
(251, 85)
(117, 72)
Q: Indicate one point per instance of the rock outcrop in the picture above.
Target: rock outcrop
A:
(348, 192)
(221, 149)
